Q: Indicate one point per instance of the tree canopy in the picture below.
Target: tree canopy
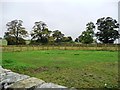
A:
(40, 32)
(58, 35)
(87, 36)
(108, 32)
(15, 31)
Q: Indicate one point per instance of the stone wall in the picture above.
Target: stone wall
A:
(11, 80)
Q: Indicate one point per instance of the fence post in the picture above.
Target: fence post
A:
(116, 47)
(33, 47)
(65, 47)
(105, 46)
(20, 47)
(59, 47)
(47, 47)
(53, 47)
(87, 47)
(96, 46)
(12, 48)
(79, 46)
(72, 46)
(37, 47)
(27, 47)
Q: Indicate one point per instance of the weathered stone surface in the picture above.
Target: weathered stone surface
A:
(50, 85)
(27, 83)
(9, 79)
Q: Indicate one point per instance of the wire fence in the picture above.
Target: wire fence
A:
(14, 48)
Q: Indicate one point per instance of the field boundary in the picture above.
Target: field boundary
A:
(12, 48)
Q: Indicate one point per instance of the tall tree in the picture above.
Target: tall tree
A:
(57, 35)
(107, 30)
(87, 36)
(40, 32)
(15, 31)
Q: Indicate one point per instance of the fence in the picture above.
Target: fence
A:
(114, 47)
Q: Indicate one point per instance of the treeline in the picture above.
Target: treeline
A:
(40, 34)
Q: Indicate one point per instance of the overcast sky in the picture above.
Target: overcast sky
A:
(68, 16)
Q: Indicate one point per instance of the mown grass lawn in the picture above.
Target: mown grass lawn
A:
(71, 68)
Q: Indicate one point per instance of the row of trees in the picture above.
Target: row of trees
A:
(40, 34)
(107, 33)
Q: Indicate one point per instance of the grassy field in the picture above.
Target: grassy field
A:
(71, 68)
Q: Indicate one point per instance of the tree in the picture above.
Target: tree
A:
(51, 40)
(67, 39)
(87, 36)
(12, 41)
(40, 32)
(15, 32)
(107, 30)
(57, 36)
(45, 35)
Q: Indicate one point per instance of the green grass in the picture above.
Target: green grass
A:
(71, 68)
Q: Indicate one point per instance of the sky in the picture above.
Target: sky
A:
(68, 16)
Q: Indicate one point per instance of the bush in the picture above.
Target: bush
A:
(12, 41)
